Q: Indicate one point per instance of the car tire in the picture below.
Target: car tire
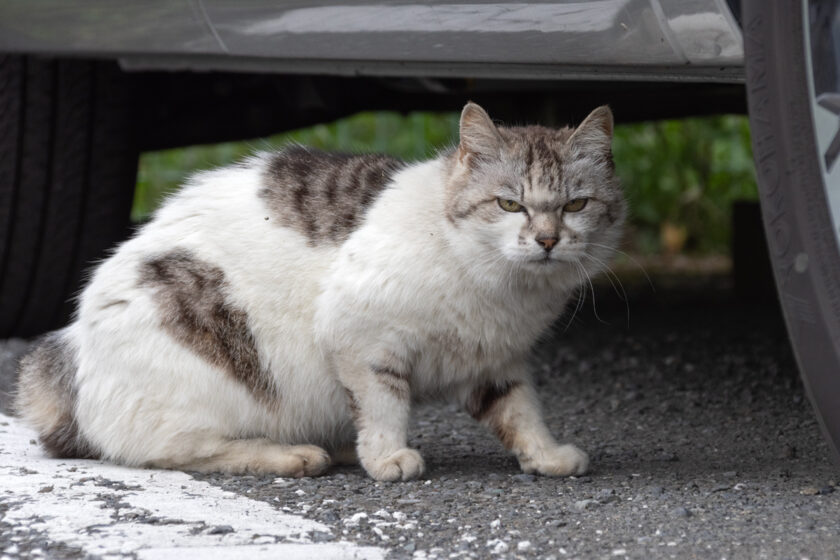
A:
(68, 164)
(801, 235)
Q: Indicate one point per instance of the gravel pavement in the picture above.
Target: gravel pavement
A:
(702, 443)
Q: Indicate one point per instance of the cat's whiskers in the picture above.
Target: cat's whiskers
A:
(610, 275)
(592, 290)
(630, 257)
(580, 299)
(605, 267)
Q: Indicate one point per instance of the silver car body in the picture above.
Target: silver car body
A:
(633, 40)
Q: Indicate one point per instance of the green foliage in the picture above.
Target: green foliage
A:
(684, 173)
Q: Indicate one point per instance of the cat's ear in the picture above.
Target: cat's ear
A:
(479, 136)
(595, 133)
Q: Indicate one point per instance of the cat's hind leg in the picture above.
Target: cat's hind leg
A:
(254, 456)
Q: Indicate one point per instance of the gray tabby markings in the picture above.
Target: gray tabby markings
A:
(353, 404)
(537, 146)
(394, 380)
(195, 311)
(537, 161)
(532, 156)
(324, 195)
(47, 374)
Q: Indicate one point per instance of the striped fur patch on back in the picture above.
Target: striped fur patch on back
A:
(192, 301)
(324, 195)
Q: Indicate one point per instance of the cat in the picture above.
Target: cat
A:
(281, 314)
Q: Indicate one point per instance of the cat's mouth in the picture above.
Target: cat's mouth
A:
(550, 261)
(542, 262)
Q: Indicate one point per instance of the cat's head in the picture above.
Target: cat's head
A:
(535, 197)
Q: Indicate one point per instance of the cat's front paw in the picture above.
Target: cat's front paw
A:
(403, 464)
(563, 460)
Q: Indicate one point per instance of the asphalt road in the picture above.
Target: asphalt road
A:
(702, 443)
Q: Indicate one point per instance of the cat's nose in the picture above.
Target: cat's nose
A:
(547, 241)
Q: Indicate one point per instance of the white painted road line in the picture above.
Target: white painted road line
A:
(107, 510)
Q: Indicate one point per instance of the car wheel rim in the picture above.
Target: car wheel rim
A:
(821, 23)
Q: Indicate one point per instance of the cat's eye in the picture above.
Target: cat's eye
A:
(510, 205)
(575, 205)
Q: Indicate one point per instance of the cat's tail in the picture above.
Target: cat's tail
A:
(46, 395)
